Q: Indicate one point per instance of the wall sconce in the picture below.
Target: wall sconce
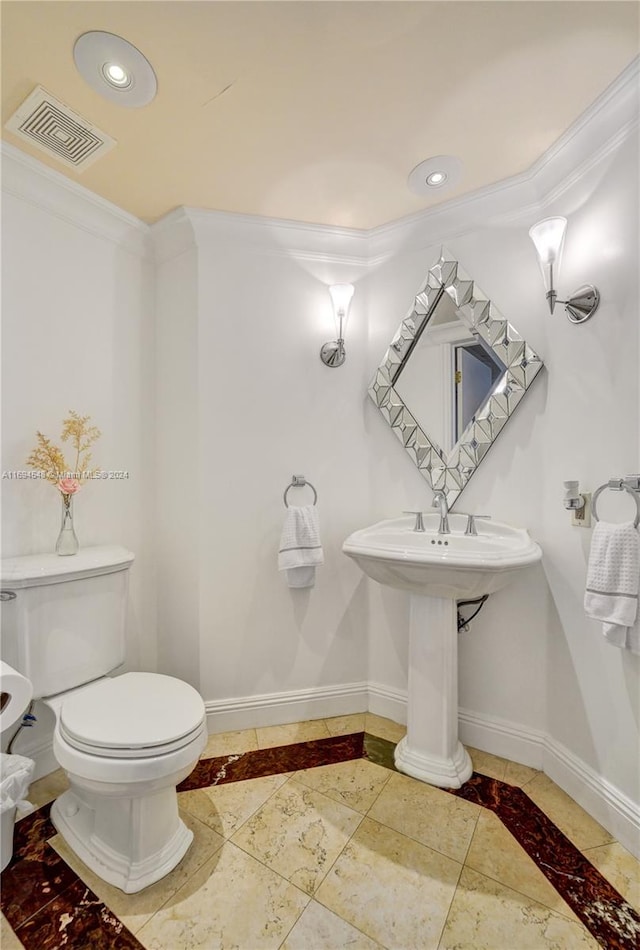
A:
(548, 237)
(333, 354)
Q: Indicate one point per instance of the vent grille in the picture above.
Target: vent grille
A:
(50, 125)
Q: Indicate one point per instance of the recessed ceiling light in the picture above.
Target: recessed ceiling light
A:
(117, 75)
(115, 68)
(441, 173)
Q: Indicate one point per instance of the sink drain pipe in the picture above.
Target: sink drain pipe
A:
(463, 622)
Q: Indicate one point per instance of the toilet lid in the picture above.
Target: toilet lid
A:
(132, 712)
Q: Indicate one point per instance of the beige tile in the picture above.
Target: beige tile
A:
(233, 901)
(520, 775)
(487, 764)
(9, 941)
(429, 815)
(134, 910)
(495, 853)
(486, 915)
(271, 736)
(356, 784)
(384, 728)
(321, 929)
(230, 743)
(47, 788)
(393, 889)
(583, 830)
(226, 807)
(299, 833)
(619, 868)
(345, 725)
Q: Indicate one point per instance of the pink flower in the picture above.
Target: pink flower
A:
(68, 486)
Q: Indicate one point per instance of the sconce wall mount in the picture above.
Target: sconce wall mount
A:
(548, 238)
(333, 353)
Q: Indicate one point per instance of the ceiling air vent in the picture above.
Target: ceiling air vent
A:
(50, 125)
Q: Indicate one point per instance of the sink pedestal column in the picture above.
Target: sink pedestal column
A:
(431, 750)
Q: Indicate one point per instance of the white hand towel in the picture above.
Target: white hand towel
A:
(300, 548)
(613, 579)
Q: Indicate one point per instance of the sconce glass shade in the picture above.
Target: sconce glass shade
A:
(548, 238)
(333, 353)
(341, 295)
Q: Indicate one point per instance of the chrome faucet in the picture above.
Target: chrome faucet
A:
(440, 501)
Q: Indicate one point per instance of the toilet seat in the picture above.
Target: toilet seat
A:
(134, 715)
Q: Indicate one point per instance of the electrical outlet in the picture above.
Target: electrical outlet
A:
(582, 517)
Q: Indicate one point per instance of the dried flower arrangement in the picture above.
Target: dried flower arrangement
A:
(49, 460)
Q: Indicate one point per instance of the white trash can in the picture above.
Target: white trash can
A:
(15, 776)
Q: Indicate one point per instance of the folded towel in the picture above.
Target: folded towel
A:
(300, 548)
(613, 579)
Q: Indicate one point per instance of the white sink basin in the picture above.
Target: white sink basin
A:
(451, 565)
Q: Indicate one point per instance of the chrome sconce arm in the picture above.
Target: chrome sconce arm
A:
(548, 238)
(334, 353)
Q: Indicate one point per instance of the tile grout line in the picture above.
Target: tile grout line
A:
(490, 785)
(186, 881)
(498, 795)
(311, 896)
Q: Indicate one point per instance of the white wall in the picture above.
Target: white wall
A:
(214, 395)
(259, 407)
(177, 466)
(537, 680)
(77, 300)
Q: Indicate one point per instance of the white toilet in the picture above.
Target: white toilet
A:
(125, 741)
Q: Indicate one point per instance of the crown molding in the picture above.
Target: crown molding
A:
(281, 237)
(596, 135)
(30, 180)
(600, 130)
(172, 235)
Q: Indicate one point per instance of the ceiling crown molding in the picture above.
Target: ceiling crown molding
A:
(594, 136)
(32, 181)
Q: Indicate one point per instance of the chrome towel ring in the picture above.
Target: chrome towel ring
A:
(299, 481)
(616, 484)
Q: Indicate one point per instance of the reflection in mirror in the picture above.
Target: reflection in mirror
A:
(452, 376)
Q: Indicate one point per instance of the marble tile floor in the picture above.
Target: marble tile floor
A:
(306, 838)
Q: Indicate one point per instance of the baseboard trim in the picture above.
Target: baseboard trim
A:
(615, 811)
(603, 801)
(388, 702)
(501, 737)
(619, 814)
(42, 755)
(275, 709)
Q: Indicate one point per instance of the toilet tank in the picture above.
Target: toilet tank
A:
(63, 618)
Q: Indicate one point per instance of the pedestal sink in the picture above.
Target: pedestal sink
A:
(437, 571)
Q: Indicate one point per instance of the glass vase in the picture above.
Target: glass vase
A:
(67, 542)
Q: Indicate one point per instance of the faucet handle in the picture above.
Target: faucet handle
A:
(419, 525)
(471, 523)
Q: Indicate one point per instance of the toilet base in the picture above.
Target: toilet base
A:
(128, 842)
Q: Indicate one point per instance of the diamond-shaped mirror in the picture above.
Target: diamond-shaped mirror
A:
(452, 377)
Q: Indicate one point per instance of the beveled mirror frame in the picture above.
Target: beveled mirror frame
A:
(444, 471)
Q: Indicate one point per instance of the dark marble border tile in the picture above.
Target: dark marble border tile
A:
(42, 897)
(604, 912)
(76, 918)
(285, 758)
(46, 903)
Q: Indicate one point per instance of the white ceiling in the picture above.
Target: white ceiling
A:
(317, 110)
